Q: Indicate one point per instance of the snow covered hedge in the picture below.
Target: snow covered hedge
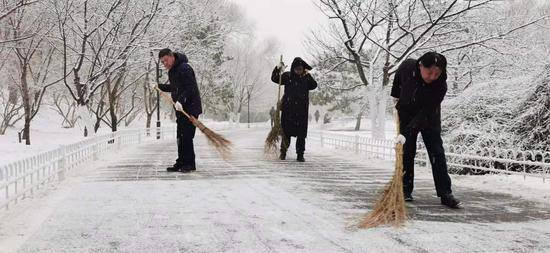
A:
(533, 124)
(507, 113)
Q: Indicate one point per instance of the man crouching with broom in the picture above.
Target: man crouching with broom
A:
(186, 97)
(420, 86)
(295, 104)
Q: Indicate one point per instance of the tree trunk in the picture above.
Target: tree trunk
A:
(26, 104)
(148, 120)
(381, 115)
(114, 119)
(27, 131)
(378, 131)
(97, 125)
(358, 122)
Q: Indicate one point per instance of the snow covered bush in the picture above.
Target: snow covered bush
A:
(483, 115)
(532, 126)
(513, 114)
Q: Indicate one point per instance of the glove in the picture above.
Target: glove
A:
(400, 139)
(281, 65)
(178, 106)
(153, 86)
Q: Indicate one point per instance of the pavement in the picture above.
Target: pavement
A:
(127, 202)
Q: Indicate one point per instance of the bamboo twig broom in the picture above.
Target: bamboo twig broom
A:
(270, 147)
(220, 143)
(390, 207)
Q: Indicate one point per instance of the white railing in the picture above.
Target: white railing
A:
(460, 159)
(23, 178)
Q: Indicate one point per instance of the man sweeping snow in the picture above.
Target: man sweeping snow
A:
(186, 96)
(295, 104)
(420, 86)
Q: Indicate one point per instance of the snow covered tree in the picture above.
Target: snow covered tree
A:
(32, 69)
(248, 72)
(400, 29)
(204, 29)
(96, 40)
(64, 106)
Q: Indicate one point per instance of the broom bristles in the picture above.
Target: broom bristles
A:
(220, 143)
(270, 147)
(390, 207)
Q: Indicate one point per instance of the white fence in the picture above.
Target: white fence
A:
(532, 163)
(23, 178)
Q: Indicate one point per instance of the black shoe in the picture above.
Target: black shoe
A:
(450, 201)
(409, 197)
(173, 169)
(301, 158)
(188, 168)
(282, 156)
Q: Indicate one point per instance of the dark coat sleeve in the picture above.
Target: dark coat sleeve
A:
(275, 77)
(311, 83)
(396, 87)
(165, 87)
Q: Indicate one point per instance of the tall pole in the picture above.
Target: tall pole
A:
(248, 108)
(158, 100)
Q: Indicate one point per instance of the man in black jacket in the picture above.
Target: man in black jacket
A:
(420, 86)
(185, 93)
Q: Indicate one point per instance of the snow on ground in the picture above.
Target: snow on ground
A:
(347, 126)
(125, 202)
(524, 187)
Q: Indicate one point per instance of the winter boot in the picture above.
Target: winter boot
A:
(173, 168)
(188, 168)
(450, 201)
(282, 156)
(301, 158)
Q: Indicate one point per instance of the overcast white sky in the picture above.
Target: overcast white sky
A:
(287, 20)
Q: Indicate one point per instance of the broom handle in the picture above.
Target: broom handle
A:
(169, 99)
(397, 126)
(280, 84)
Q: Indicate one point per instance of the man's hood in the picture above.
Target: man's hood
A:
(180, 58)
(299, 62)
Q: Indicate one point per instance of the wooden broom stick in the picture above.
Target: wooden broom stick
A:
(270, 147)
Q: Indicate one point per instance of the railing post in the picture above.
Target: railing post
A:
(61, 163)
(118, 140)
(16, 177)
(356, 144)
(24, 172)
(7, 189)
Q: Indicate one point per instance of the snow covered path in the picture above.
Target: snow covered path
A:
(126, 202)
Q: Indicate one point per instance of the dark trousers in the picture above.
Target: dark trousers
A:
(300, 145)
(185, 135)
(436, 154)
